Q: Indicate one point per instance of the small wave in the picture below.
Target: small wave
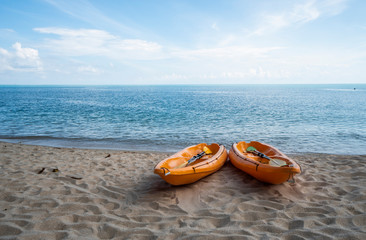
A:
(88, 143)
(38, 137)
(352, 136)
(344, 89)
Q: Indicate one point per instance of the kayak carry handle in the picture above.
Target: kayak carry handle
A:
(166, 173)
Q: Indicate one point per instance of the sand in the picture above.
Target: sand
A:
(104, 194)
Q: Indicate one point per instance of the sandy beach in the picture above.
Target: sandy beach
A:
(69, 193)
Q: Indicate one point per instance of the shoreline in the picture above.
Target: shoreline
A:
(2, 141)
(140, 148)
(101, 194)
(67, 143)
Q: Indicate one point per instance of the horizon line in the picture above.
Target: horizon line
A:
(183, 84)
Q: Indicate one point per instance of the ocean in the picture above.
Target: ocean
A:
(293, 118)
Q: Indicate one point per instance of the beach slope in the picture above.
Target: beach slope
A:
(67, 193)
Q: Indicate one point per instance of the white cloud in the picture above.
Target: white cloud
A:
(332, 7)
(89, 69)
(4, 60)
(136, 44)
(7, 30)
(86, 42)
(92, 42)
(305, 12)
(226, 52)
(21, 59)
(230, 76)
(85, 11)
(215, 27)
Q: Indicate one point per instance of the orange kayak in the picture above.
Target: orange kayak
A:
(175, 171)
(261, 168)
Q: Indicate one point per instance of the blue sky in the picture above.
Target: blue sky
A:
(182, 42)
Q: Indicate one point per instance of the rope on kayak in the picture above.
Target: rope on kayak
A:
(194, 168)
(245, 159)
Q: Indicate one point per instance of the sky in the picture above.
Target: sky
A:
(119, 42)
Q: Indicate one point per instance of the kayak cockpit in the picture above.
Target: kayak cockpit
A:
(180, 159)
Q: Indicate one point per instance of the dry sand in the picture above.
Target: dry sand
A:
(118, 196)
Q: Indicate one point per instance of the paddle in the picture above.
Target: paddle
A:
(272, 162)
(206, 150)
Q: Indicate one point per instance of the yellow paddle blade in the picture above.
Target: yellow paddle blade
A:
(207, 150)
(277, 163)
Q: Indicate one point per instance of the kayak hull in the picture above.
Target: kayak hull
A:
(258, 167)
(169, 170)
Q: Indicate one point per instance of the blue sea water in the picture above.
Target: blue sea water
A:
(293, 118)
